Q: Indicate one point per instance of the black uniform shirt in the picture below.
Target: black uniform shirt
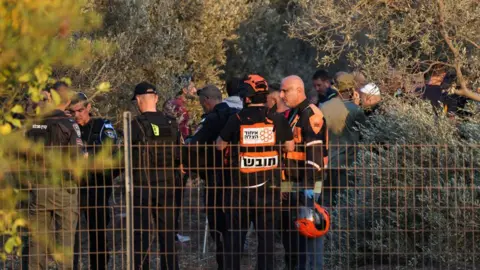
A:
(97, 131)
(154, 117)
(157, 162)
(330, 93)
(207, 132)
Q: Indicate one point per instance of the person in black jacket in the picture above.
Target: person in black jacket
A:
(201, 154)
(54, 208)
(322, 82)
(97, 189)
(155, 140)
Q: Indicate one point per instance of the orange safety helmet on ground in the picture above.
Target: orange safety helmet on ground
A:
(253, 85)
(315, 224)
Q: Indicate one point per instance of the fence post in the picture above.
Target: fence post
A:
(127, 129)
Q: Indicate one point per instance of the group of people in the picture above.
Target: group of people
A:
(267, 154)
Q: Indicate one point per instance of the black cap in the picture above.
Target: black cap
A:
(210, 91)
(144, 88)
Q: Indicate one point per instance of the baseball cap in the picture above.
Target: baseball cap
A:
(144, 88)
(210, 91)
(370, 89)
(345, 82)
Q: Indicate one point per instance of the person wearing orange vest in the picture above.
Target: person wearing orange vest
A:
(304, 175)
(255, 156)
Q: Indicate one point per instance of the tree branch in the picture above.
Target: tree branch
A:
(472, 42)
(463, 91)
(432, 64)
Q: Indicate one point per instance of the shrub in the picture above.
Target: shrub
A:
(417, 200)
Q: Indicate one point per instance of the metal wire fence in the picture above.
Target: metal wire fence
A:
(391, 207)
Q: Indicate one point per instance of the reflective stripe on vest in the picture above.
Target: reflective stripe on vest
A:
(296, 155)
(252, 162)
(288, 186)
(257, 135)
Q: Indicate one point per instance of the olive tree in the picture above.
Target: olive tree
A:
(411, 36)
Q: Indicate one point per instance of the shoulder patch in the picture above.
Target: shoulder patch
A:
(156, 129)
(108, 125)
(110, 133)
(77, 129)
(316, 119)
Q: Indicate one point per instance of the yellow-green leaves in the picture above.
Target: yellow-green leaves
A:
(15, 122)
(35, 36)
(42, 74)
(20, 222)
(34, 94)
(17, 109)
(24, 78)
(103, 87)
(66, 80)
(56, 97)
(5, 129)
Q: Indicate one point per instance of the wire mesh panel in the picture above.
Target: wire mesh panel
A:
(390, 207)
(75, 218)
(101, 230)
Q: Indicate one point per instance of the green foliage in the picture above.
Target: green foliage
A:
(36, 37)
(419, 204)
(263, 46)
(418, 199)
(409, 36)
(158, 41)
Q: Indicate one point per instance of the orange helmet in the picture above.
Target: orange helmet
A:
(254, 85)
(314, 222)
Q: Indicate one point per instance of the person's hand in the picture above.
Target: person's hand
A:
(182, 171)
(309, 193)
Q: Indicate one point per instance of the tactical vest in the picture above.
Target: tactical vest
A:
(158, 141)
(257, 151)
(299, 152)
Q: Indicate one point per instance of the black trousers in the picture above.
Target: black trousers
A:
(154, 214)
(260, 206)
(294, 244)
(94, 205)
(336, 182)
(216, 216)
(179, 199)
